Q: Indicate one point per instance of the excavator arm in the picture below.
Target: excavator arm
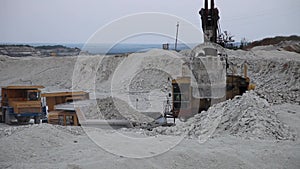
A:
(210, 17)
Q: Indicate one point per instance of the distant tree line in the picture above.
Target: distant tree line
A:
(226, 40)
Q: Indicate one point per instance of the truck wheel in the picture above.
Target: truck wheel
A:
(7, 117)
(37, 120)
(2, 117)
(23, 120)
(182, 118)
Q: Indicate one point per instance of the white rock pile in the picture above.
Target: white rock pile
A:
(276, 74)
(278, 82)
(247, 116)
(113, 109)
(7, 131)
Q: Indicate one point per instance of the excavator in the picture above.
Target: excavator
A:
(185, 103)
(218, 80)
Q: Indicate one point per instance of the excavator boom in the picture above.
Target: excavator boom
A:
(210, 17)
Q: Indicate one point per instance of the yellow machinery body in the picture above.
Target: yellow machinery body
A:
(184, 105)
(21, 102)
(63, 117)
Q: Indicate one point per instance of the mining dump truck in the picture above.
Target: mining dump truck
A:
(21, 103)
(61, 109)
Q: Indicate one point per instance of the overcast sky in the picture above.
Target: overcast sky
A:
(75, 21)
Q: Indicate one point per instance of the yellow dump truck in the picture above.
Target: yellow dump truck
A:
(58, 101)
(21, 103)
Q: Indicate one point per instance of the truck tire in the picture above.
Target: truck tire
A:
(182, 118)
(23, 120)
(37, 120)
(2, 117)
(7, 117)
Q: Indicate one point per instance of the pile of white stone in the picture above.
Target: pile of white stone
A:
(247, 116)
(9, 130)
(279, 82)
(113, 109)
(6, 131)
(276, 74)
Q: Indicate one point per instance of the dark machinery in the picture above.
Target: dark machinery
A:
(21, 103)
(204, 58)
(210, 18)
(184, 103)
